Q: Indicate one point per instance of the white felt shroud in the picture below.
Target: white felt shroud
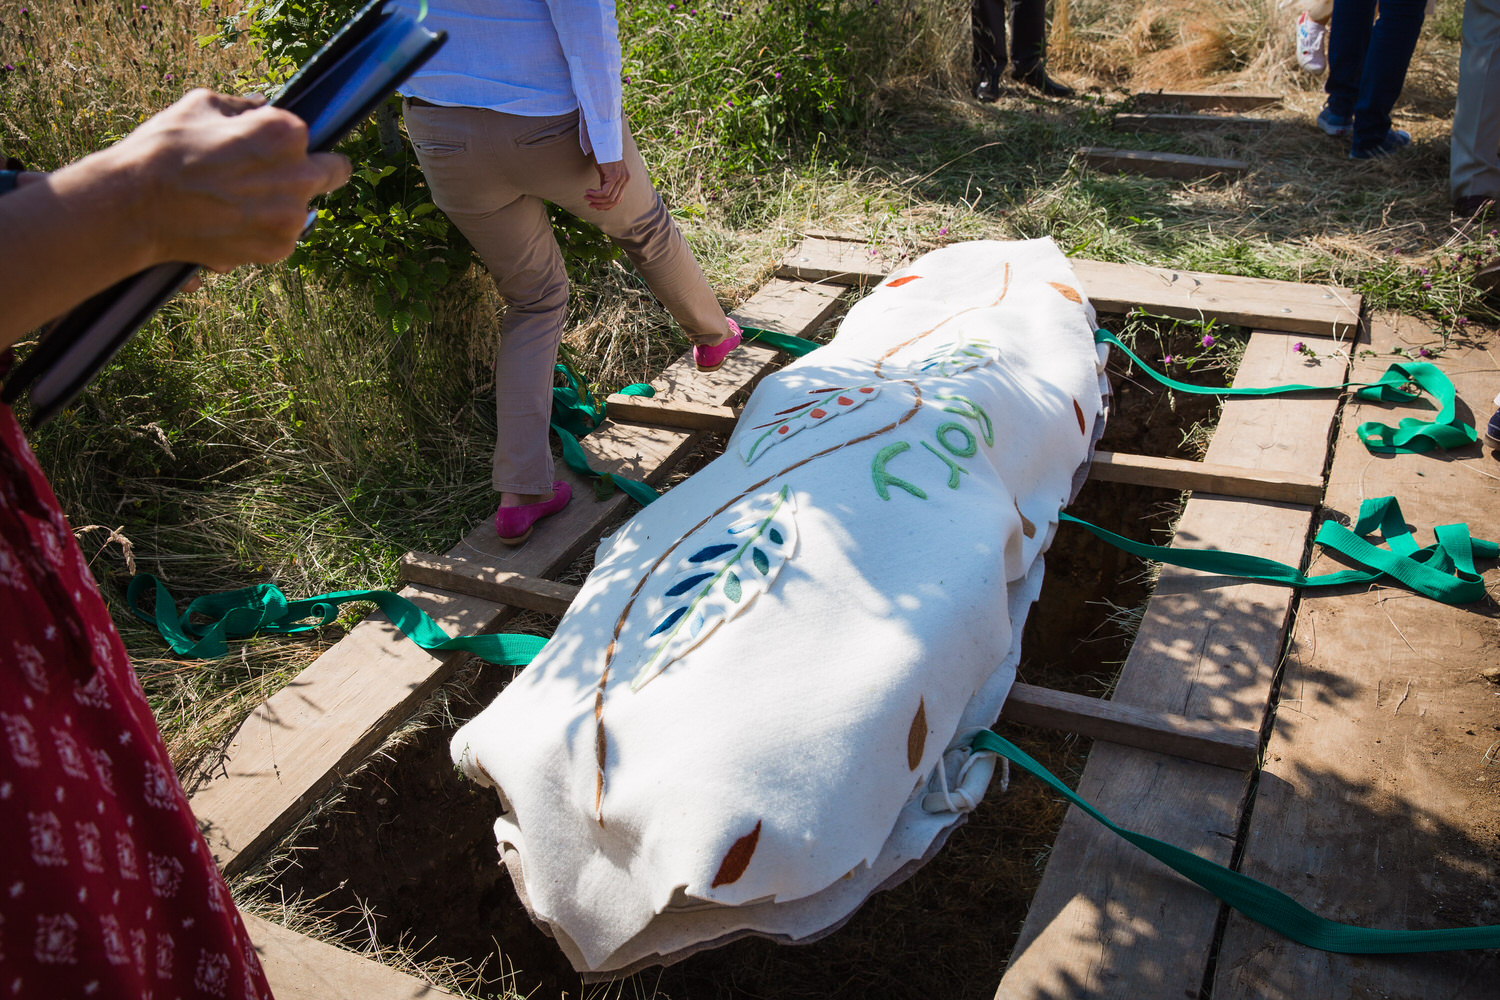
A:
(866, 551)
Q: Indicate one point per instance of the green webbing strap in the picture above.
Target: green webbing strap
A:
(1412, 435)
(795, 346)
(575, 412)
(1254, 899)
(263, 608)
(1443, 571)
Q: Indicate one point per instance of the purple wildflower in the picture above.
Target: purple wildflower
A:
(1208, 340)
(1299, 347)
(1167, 360)
(943, 231)
(1424, 352)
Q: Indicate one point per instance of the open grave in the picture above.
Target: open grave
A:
(1176, 736)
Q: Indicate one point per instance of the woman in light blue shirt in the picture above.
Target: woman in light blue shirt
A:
(522, 107)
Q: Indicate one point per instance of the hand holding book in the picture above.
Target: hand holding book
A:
(376, 51)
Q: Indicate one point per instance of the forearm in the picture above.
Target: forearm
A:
(45, 267)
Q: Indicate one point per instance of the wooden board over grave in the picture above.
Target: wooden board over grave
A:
(1379, 804)
(1164, 122)
(1149, 163)
(1108, 920)
(1198, 100)
(1258, 303)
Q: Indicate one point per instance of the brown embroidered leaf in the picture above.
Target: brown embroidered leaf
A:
(916, 738)
(1083, 426)
(1027, 528)
(738, 858)
(1068, 292)
(601, 749)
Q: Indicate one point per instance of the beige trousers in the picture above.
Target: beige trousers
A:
(492, 174)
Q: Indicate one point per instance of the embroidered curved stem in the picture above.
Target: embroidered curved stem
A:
(600, 740)
(1004, 290)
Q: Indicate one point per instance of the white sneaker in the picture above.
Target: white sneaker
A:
(1312, 38)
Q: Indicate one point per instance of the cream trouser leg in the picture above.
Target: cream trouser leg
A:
(492, 173)
(1474, 156)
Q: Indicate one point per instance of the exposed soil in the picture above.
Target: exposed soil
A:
(412, 840)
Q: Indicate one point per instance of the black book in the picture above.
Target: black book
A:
(372, 55)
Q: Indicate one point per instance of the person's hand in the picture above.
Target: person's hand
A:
(224, 181)
(612, 180)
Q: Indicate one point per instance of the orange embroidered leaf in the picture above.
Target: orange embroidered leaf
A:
(1068, 291)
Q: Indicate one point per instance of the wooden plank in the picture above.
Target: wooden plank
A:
(1177, 123)
(298, 967)
(1376, 806)
(1198, 100)
(1180, 474)
(790, 307)
(666, 412)
(1107, 920)
(1149, 163)
(478, 580)
(838, 262)
(296, 745)
(1258, 303)
(1163, 732)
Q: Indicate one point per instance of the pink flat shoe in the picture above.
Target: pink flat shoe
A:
(514, 524)
(708, 357)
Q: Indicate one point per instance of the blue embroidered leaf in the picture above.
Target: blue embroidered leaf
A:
(687, 583)
(957, 358)
(669, 621)
(830, 403)
(718, 582)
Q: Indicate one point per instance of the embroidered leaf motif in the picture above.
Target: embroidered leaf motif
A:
(738, 858)
(826, 404)
(1067, 291)
(898, 282)
(957, 358)
(916, 736)
(718, 581)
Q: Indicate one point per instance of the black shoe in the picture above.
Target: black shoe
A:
(1037, 79)
(987, 91)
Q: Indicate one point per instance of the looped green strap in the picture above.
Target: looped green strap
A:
(1256, 900)
(264, 609)
(575, 412)
(1443, 571)
(1411, 436)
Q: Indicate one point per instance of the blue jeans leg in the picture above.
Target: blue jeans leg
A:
(1348, 43)
(1387, 49)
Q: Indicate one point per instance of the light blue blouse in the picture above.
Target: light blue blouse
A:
(535, 58)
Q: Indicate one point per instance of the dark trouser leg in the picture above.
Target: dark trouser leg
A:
(1028, 35)
(987, 21)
